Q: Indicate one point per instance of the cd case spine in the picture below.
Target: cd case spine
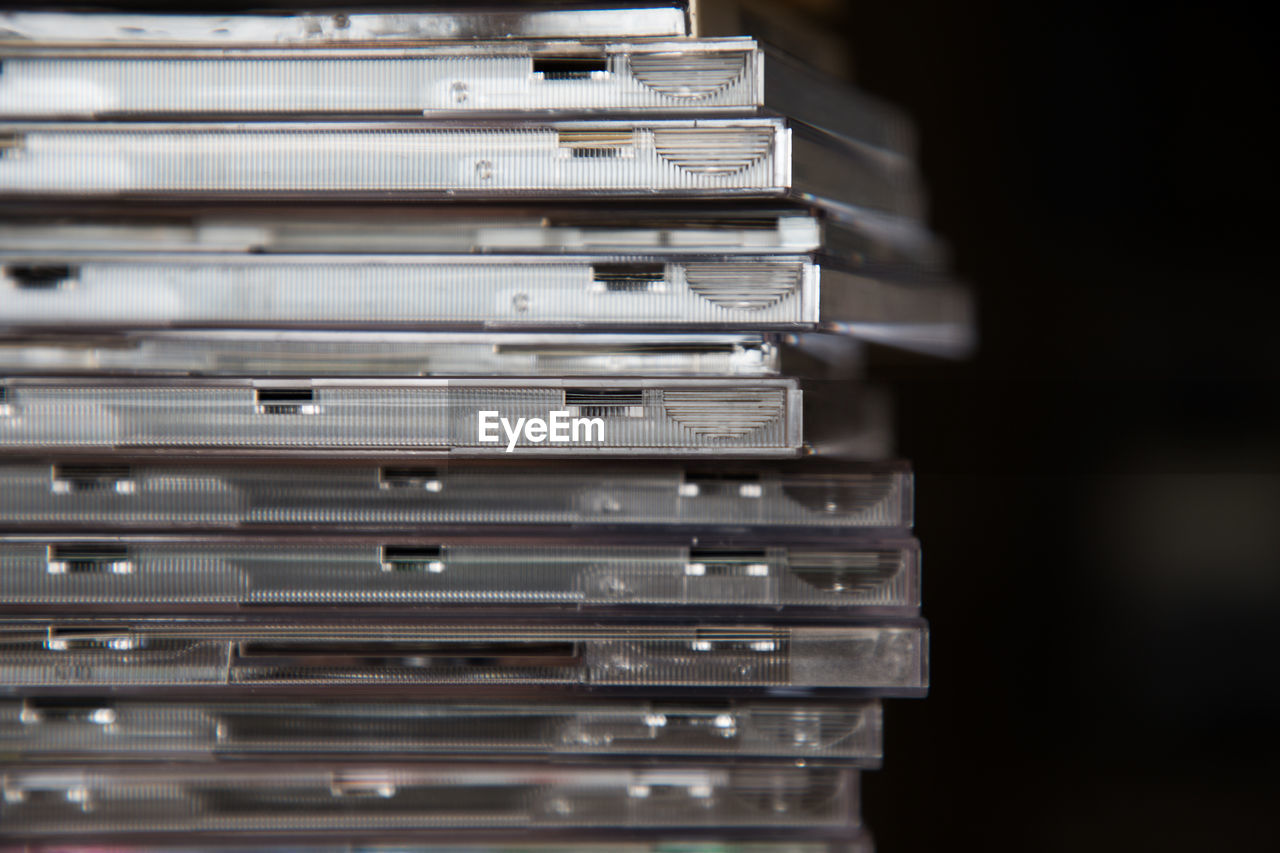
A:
(477, 417)
(119, 492)
(405, 292)
(66, 575)
(99, 729)
(878, 659)
(447, 799)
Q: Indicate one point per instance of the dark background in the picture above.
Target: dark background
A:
(1098, 490)
(1099, 487)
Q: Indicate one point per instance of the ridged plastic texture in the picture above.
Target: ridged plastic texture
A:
(884, 659)
(305, 354)
(641, 18)
(406, 291)
(668, 416)
(70, 573)
(649, 159)
(671, 77)
(242, 797)
(107, 729)
(397, 496)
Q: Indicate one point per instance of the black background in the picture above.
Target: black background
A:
(1099, 488)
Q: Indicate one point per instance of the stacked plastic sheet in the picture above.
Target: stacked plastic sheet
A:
(446, 430)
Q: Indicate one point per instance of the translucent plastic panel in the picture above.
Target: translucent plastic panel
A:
(650, 160)
(854, 841)
(885, 659)
(68, 574)
(450, 797)
(123, 292)
(306, 354)
(106, 729)
(399, 229)
(706, 77)
(440, 291)
(115, 492)
(432, 21)
(462, 416)
(673, 77)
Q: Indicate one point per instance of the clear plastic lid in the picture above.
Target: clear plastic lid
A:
(433, 20)
(855, 841)
(477, 417)
(446, 798)
(596, 573)
(46, 729)
(707, 77)
(643, 160)
(874, 658)
(119, 293)
(311, 353)
(53, 232)
(117, 492)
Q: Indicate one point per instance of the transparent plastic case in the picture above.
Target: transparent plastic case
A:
(619, 416)
(189, 799)
(109, 729)
(242, 352)
(432, 21)
(850, 841)
(64, 575)
(566, 269)
(437, 291)
(359, 292)
(460, 229)
(642, 159)
(882, 659)
(118, 492)
(695, 77)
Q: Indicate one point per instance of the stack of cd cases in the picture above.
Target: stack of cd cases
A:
(448, 430)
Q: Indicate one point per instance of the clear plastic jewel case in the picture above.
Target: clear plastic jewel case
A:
(118, 492)
(637, 160)
(867, 658)
(96, 729)
(750, 231)
(432, 21)
(849, 841)
(713, 272)
(753, 571)
(309, 800)
(193, 352)
(687, 77)
(469, 417)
